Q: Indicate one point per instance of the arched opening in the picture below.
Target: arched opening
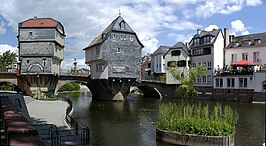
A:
(150, 92)
(77, 88)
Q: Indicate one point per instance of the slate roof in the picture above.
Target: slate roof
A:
(161, 50)
(179, 45)
(106, 33)
(203, 33)
(252, 38)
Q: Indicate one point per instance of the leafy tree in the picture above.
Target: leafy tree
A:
(186, 89)
(6, 58)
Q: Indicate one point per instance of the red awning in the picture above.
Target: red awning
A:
(243, 63)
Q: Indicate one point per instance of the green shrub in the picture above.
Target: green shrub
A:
(195, 119)
(69, 87)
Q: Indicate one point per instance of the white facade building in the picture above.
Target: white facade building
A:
(177, 55)
(248, 47)
(207, 48)
(158, 61)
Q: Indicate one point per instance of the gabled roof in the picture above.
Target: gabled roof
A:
(113, 27)
(252, 38)
(179, 45)
(161, 50)
(40, 23)
(204, 33)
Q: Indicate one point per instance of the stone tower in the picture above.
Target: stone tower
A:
(41, 50)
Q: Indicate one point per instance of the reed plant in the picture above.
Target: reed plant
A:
(196, 119)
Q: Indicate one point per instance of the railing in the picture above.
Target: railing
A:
(52, 133)
(79, 128)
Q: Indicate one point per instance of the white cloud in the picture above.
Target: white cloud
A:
(208, 8)
(211, 27)
(2, 28)
(238, 27)
(245, 32)
(68, 63)
(5, 47)
(181, 37)
(253, 2)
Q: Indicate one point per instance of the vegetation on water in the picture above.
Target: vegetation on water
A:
(186, 89)
(197, 119)
(69, 87)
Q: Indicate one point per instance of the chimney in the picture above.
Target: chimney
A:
(226, 37)
(35, 17)
(198, 31)
(231, 37)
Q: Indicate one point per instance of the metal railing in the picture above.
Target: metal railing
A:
(80, 129)
(51, 131)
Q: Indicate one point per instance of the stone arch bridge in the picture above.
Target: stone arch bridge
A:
(150, 89)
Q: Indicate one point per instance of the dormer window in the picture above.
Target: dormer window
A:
(235, 44)
(122, 25)
(245, 43)
(257, 41)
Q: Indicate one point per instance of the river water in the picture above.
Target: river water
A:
(133, 122)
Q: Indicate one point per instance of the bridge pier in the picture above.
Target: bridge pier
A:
(38, 85)
(110, 89)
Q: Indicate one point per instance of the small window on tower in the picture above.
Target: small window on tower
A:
(119, 50)
(30, 33)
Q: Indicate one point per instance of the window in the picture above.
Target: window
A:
(204, 79)
(44, 61)
(243, 82)
(219, 82)
(97, 51)
(131, 38)
(256, 57)
(119, 50)
(230, 82)
(121, 37)
(244, 56)
(175, 53)
(114, 36)
(209, 65)
(203, 51)
(257, 41)
(100, 67)
(194, 64)
(28, 61)
(181, 63)
(235, 44)
(199, 79)
(30, 33)
(209, 79)
(171, 64)
(122, 25)
(233, 58)
(264, 85)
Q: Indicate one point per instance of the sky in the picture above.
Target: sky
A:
(156, 22)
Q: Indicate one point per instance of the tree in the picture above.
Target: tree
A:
(186, 89)
(7, 58)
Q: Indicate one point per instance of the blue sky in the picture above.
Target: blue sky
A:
(156, 22)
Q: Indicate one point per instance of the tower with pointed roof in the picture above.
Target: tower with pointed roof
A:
(115, 55)
(41, 50)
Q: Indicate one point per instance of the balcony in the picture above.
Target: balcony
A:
(233, 72)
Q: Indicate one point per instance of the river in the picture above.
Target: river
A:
(133, 122)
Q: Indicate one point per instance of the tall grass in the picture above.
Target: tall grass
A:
(196, 119)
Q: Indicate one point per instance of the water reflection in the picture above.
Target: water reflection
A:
(133, 122)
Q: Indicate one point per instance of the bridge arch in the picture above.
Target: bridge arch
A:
(61, 83)
(150, 92)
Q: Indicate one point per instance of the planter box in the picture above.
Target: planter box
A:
(194, 140)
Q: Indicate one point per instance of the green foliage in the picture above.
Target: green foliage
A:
(186, 89)
(7, 57)
(195, 119)
(69, 87)
(6, 88)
